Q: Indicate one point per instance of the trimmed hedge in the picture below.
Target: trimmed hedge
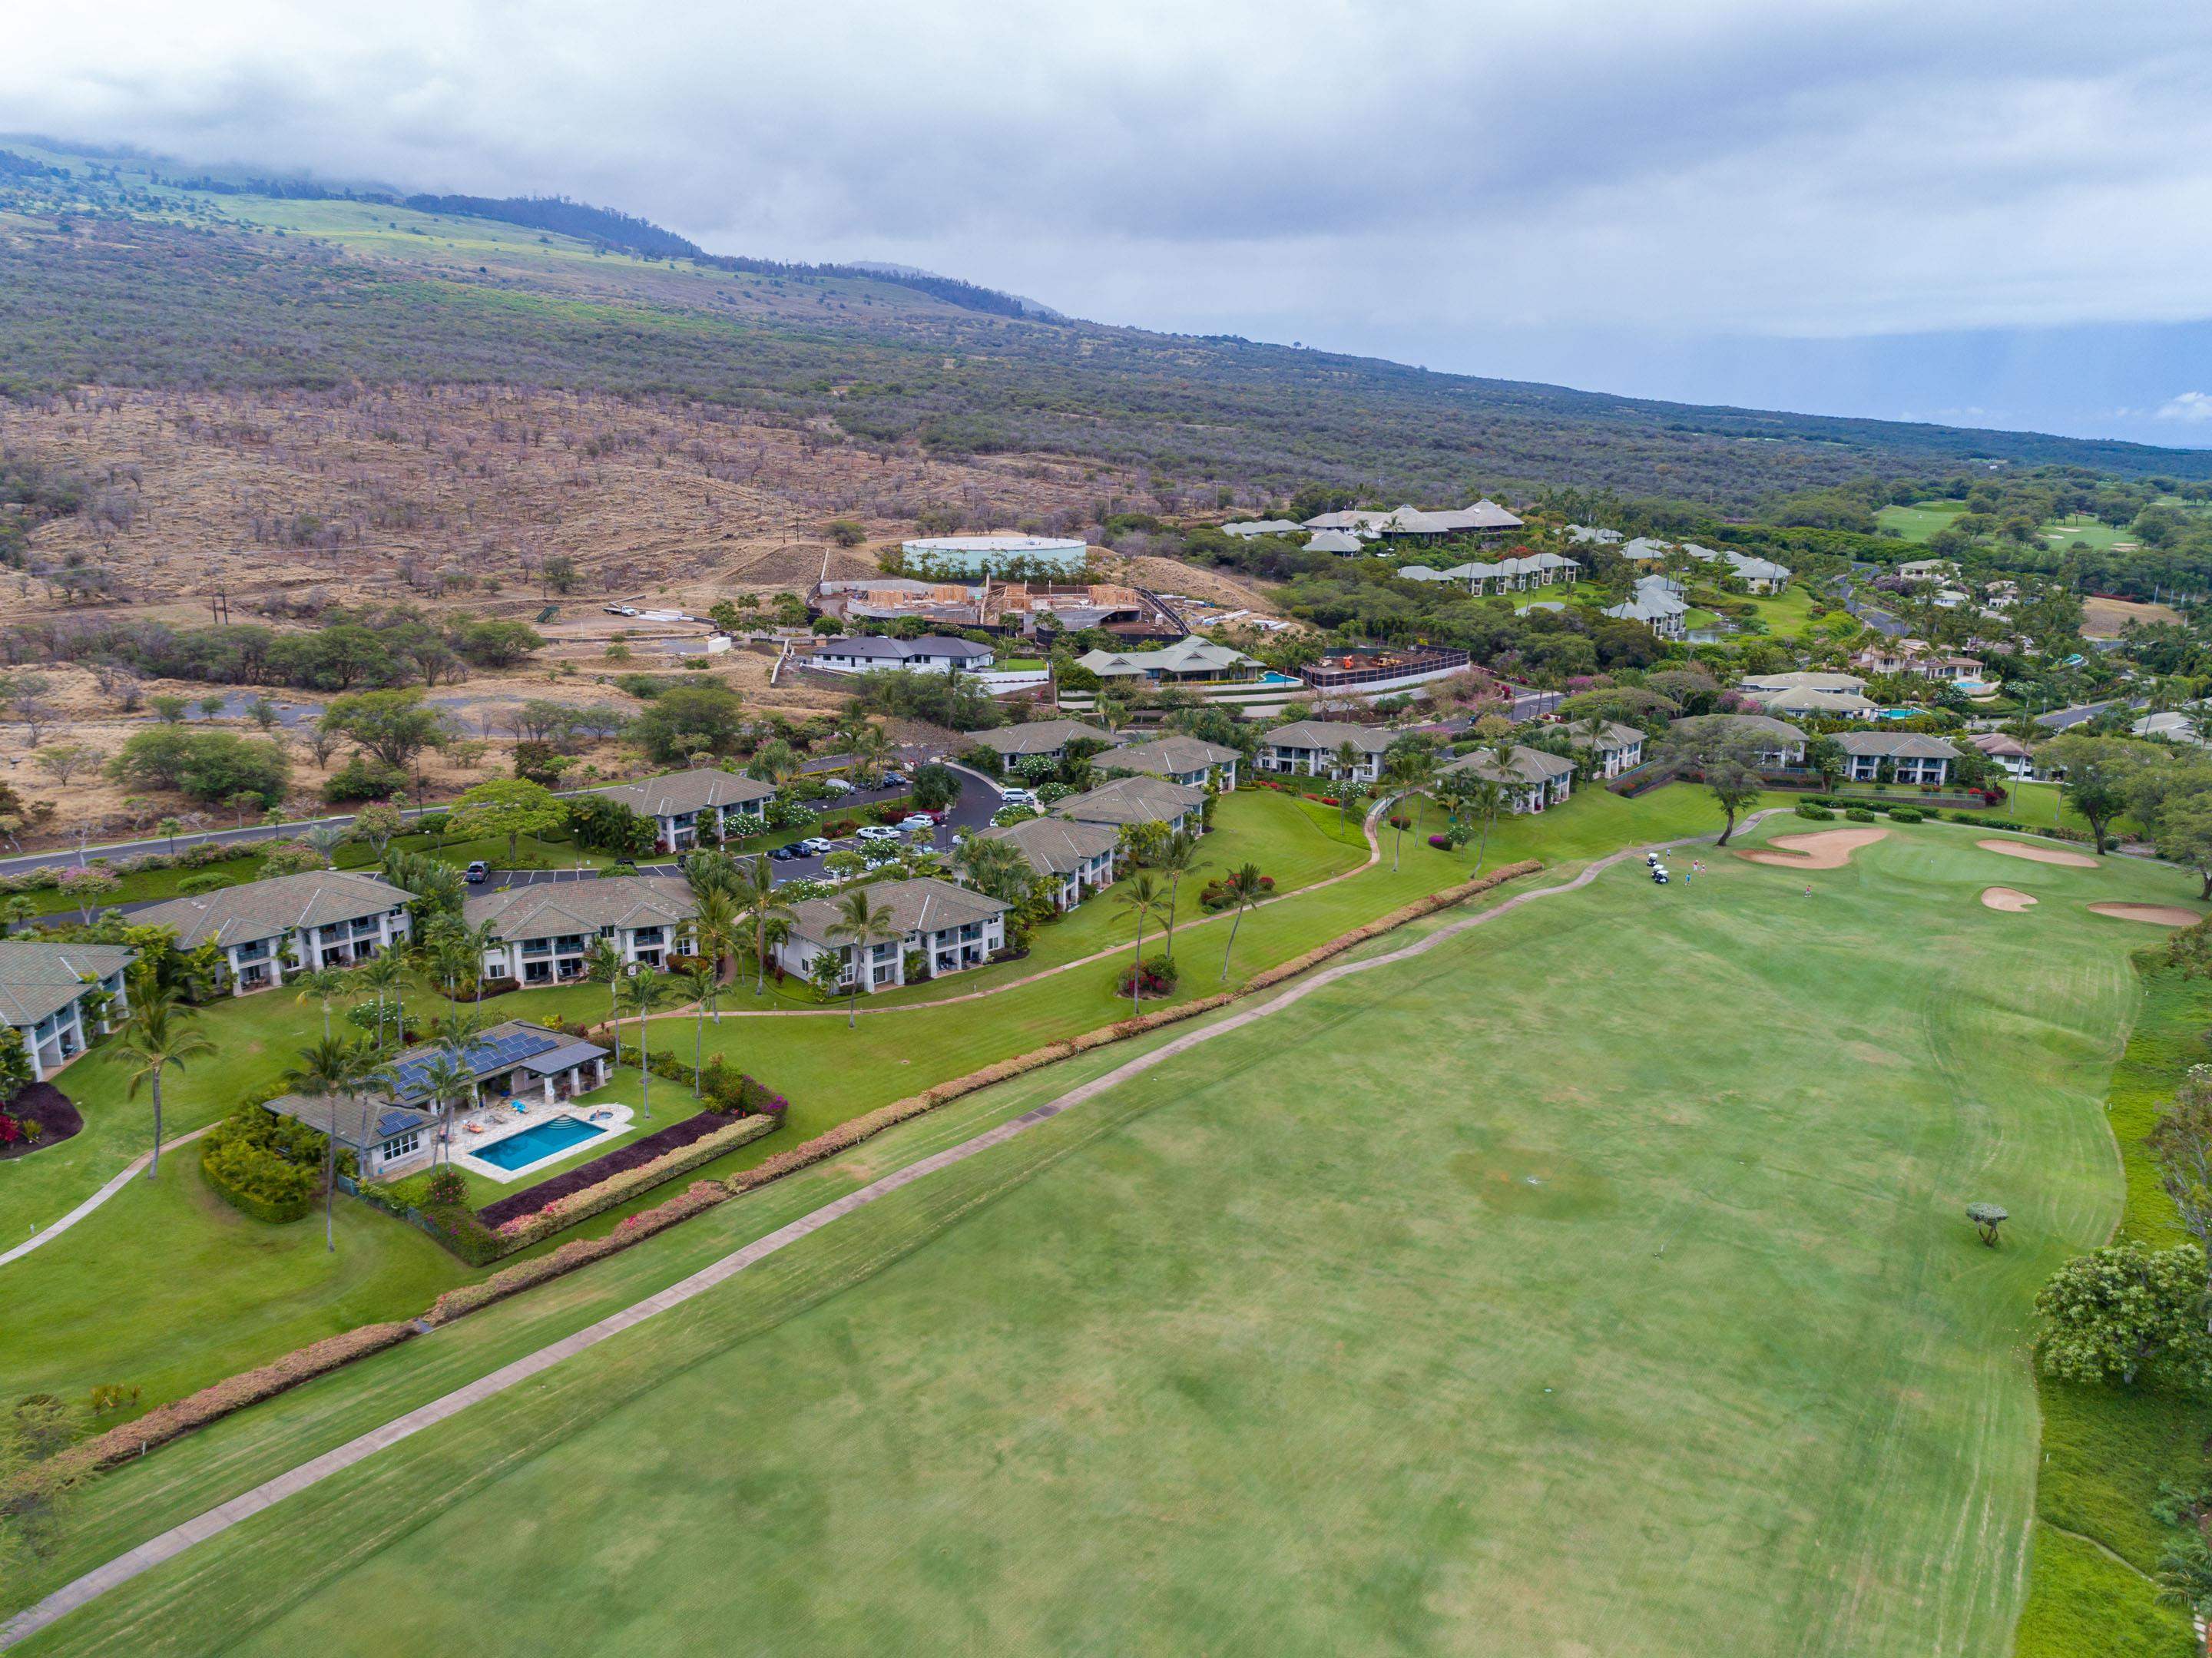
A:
(1817, 814)
(1859, 815)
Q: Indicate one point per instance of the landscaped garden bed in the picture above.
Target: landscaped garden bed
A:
(38, 1116)
(621, 1160)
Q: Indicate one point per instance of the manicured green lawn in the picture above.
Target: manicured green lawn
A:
(1292, 1336)
(1920, 521)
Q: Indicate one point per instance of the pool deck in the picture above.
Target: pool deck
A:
(504, 1122)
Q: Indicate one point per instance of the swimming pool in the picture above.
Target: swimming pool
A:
(536, 1142)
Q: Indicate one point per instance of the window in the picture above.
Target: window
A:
(402, 1145)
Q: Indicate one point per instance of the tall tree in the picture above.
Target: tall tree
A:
(862, 922)
(2099, 772)
(1175, 859)
(2181, 1144)
(701, 985)
(1407, 771)
(512, 806)
(604, 965)
(156, 1038)
(763, 909)
(1140, 895)
(329, 1071)
(641, 996)
(1242, 888)
(1725, 754)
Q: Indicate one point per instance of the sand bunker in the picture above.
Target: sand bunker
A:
(2036, 854)
(2006, 898)
(1823, 849)
(2157, 914)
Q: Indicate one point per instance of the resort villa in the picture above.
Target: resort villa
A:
(1187, 661)
(542, 934)
(289, 924)
(1911, 756)
(514, 1116)
(1042, 739)
(1127, 801)
(48, 993)
(1184, 760)
(1533, 780)
(1820, 695)
(1071, 860)
(682, 804)
(931, 653)
(1308, 748)
(1508, 575)
(951, 928)
(2017, 759)
(1655, 605)
(1619, 748)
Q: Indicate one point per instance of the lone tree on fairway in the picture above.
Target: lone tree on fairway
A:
(1244, 887)
(1177, 858)
(1141, 897)
(328, 1071)
(1726, 755)
(1987, 1217)
(512, 806)
(862, 922)
(2098, 772)
(158, 1036)
(1406, 774)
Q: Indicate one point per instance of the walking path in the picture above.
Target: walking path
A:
(96, 1199)
(168, 1544)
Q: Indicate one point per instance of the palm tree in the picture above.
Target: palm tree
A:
(996, 868)
(328, 1069)
(16, 911)
(872, 750)
(169, 828)
(1407, 773)
(1141, 897)
(1346, 762)
(324, 985)
(448, 1078)
(714, 929)
(1177, 858)
(763, 907)
(157, 1036)
(1242, 888)
(862, 922)
(702, 985)
(1487, 799)
(604, 965)
(642, 995)
(381, 973)
(478, 939)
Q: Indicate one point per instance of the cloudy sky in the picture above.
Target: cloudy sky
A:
(1992, 212)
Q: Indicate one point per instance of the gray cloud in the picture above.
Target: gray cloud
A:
(1434, 172)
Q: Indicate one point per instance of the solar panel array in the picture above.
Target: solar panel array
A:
(485, 1055)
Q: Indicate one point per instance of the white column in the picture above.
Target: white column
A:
(548, 1088)
(31, 1046)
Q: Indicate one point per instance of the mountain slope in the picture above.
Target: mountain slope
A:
(116, 275)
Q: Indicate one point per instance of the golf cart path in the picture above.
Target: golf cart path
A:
(690, 1010)
(97, 1198)
(168, 1544)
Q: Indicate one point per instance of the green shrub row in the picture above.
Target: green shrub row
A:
(264, 1165)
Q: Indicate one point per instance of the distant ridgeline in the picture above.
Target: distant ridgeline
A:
(607, 226)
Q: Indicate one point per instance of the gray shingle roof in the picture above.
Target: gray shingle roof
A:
(1169, 755)
(569, 907)
(36, 979)
(264, 909)
(1056, 846)
(1528, 766)
(1897, 746)
(1041, 736)
(1131, 800)
(1764, 725)
(1329, 735)
(923, 904)
(675, 792)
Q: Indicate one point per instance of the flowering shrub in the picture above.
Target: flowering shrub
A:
(1215, 895)
(1159, 975)
(1440, 843)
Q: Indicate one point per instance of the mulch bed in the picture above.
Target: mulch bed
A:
(52, 1109)
(531, 1200)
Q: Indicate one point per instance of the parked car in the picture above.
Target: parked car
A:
(919, 820)
(479, 872)
(891, 779)
(835, 785)
(877, 832)
(815, 846)
(787, 852)
(1017, 798)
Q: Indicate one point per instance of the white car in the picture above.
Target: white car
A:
(837, 785)
(815, 846)
(1017, 798)
(877, 832)
(918, 821)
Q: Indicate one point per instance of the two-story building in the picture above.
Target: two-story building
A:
(1186, 760)
(684, 806)
(951, 928)
(1042, 739)
(1619, 748)
(48, 993)
(1308, 748)
(1813, 695)
(543, 934)
(290, 923)
(1533, 780)
(1071, 860)
(1775, 745)
(1911, 756)
(1128, 801)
